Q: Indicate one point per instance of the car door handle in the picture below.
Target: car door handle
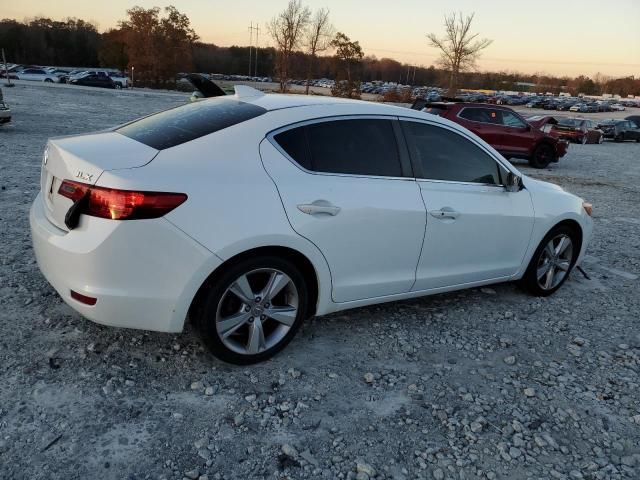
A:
(444, 213)
(319, 208)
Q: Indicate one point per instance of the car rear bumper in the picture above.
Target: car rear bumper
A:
(143, 273)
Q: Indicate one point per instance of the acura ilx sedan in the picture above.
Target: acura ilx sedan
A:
(250, 213)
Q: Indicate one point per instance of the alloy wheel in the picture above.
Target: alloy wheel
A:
(257, 311)
(555, 262)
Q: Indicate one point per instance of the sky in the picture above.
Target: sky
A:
(560, 37)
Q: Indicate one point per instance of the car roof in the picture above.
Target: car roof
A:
(276, 101)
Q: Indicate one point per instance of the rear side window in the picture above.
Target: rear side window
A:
(446, 155)
(355, 147)
(483, 115)
(188, 122)
(294, 142)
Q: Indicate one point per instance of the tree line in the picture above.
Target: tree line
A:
(159, 43)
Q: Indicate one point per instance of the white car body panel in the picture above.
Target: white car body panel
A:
(38, 77)
(243, 193)
(368, 257)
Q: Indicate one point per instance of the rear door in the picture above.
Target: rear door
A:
(347, 187)
(476, 229)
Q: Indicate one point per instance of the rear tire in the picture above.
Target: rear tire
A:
(552, 262)
(242, 330)
(542, 156)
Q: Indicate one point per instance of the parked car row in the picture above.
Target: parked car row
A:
(92, 78)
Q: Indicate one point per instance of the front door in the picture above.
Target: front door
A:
(344, 188)
(476, 229)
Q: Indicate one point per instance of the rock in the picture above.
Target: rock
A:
(366, 468)
(579, 341)
(575, 474)
(514, 452)
(192, 474)
(309, 458)
(197, 386)
(487, 291)
(510, 360)
(208, 391)
(238, 420)
(289, 450)
(333, 375)
(529, 392)
(438, 474)
(368, 377)
(361, 476)
(476, 426)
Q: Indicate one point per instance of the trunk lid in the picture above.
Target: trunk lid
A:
(83, 158)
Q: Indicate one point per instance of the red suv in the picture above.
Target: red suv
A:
(503, 129)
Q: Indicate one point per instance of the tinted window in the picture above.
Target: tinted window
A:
(294, 142)
(188, 122)
(483, 115)
(446, 155)
(511, 120)
(359, 147)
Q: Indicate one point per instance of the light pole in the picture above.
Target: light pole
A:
(132, 70)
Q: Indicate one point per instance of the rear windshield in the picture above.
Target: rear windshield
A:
(188, 122)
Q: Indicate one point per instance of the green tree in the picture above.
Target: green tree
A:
(348, 57)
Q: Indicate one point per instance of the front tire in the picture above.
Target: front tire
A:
(542, 156)
(552, 262)
(253, 309)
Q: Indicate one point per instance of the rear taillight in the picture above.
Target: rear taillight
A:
(120, 204)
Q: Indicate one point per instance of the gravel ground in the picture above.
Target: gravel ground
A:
(486, 383)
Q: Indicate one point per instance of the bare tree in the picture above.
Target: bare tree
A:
(287, 30)
(318, 39)
(459, 48)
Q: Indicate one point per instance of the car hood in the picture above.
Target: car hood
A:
(538, 185)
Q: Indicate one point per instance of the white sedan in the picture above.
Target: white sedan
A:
(250, 213)
(37, 74)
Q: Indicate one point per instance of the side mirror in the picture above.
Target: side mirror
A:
(513, 182)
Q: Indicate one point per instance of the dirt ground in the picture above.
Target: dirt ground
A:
(487, 383)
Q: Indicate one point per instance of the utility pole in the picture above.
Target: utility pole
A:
(257, 33)
(250, 45)
(251, 64)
